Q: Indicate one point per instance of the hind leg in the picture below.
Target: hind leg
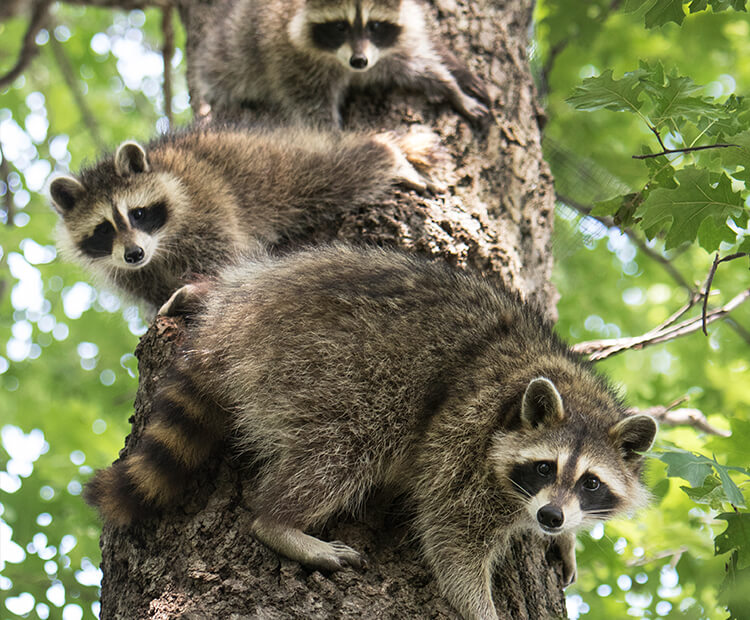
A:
(308, 550)
(300, 491)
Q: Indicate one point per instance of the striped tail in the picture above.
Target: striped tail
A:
(183, 429)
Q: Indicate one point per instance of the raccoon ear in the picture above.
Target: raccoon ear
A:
(634, 434)
(542, 403)
(65, 192)
(130, 158)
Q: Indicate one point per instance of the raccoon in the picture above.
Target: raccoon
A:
(346, 370)
(149, 219)
(305, 55)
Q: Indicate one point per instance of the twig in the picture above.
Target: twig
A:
(602, 349)
(29, 48)
(684, 416)
(710, 279)
(8, 204)
(687, 149)
(675, 554)
(70, 80)
(610, 223)
(8, 198)
(658, 137)
(167, 52)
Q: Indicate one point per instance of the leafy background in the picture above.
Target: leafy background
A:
(611, 75)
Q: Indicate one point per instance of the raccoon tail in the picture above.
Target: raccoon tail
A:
(179, 437)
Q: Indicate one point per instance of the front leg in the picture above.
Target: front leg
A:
(463, 566)
(567, 545)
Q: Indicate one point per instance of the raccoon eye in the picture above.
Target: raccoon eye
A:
(591, 483)
(104, 228)
(341, 26)
(543, 469)
(374, 26)
(137, 214)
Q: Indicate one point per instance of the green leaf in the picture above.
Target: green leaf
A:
(673, 100)
(663, 12)
(736, 536)
(695, 468)
(622, 208)
(686, 465)
(604, 92)
(687, 206)
(711, 492)
(736, 159)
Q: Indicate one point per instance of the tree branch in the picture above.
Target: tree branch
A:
(670, 415)
(8, 204)
(29, 48)
(710, 279)
(71, 81)
(635, 238)
(602, 349)
(688, 149)
(167, 52)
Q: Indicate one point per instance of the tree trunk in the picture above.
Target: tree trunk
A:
(199, 561)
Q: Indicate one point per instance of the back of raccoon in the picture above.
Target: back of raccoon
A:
(149, 219)
(349, 369)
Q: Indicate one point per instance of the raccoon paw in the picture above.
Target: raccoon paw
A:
(473, 109)
(306, 549)
(329, 556)
(183, 301)
(417, 153)
(567, 546)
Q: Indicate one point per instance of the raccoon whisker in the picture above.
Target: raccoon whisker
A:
(524, 492)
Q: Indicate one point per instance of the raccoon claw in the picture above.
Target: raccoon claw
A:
(567, 546)
(569, 576)
(474, 110)
(346, 555)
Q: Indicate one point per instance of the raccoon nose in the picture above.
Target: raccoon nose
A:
(133, 254)
(550, 516)
(358, 61)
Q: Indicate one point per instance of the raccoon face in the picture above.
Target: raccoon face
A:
(356, 33)
(119, 223)
(565, 473)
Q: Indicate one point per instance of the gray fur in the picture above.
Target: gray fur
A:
(225, 191)
(261, 52)
(347, 370)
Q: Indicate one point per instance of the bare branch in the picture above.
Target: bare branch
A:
(688, 149)
(29, 48)
(8, 205)
(602, 349)
(675, 554)
(71, 81)
(167, 52)
(658, 137)
(8, 198)
(683, 416)
(710, 279)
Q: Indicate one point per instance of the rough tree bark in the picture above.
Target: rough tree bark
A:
(199, 561)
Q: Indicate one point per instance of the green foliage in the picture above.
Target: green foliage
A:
(698, 200)
(67, 373)
(660, 12)
(68, 402)
(672, 560)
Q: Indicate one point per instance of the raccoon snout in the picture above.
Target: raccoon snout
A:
(550, 517)
(134, 254)
(358, 61)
